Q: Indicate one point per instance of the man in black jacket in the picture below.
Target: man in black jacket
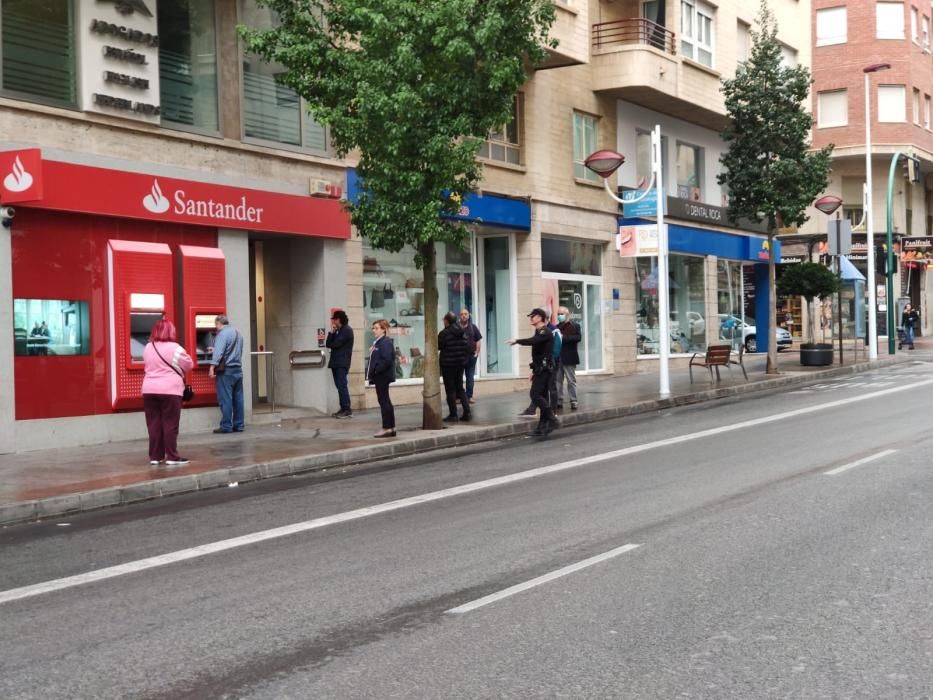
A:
(542, 365)
(340, 342)
(454, 352)
(569, 357)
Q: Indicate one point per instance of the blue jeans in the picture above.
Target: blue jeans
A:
(343, 390)
(230, 399)
(470, 375)
(909, 335)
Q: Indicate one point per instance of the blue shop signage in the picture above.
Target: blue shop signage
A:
(490, 209)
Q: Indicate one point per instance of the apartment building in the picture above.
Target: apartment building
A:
(880, 51)
(157, 170)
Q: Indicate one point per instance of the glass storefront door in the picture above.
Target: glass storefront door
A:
(494, 309)
(583, 298)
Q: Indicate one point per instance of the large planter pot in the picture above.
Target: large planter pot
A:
(816, 354)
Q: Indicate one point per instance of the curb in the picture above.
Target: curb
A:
(159, 488)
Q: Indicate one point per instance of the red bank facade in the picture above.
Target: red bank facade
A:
(99, 254)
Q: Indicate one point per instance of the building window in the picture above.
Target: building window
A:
(892, 105)
(273, 112)
(39, 50)
(925, 37)
(926, 111)
(788, 57)
(643, 160)
(49, 327)
(584, 143)
(687, 296)
(504, 144)
(832, 109)
(915, 105)
(729, 296)
(915, 24)
(743, 42)
(696, 31)
(689, 172)
(188, 64)
(890, 20)
(831, 26)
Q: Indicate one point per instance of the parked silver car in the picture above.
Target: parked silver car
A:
(729, 329)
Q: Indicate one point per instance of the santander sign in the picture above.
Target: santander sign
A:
(241, 211)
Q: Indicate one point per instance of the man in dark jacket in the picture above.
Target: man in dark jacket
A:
(340, 342)
(454, 352)
(569, 357)
(542, 365)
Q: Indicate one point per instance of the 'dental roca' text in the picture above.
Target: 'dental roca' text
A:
(209, 209)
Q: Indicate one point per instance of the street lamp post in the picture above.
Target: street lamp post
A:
(604, 163)
(829, 204)
(872, 301)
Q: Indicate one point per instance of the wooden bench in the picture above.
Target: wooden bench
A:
(717, 356)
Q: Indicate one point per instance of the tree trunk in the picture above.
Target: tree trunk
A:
(431, 393)
(772, 366)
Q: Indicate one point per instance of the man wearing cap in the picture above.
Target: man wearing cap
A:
(542, 367)
(340, 342)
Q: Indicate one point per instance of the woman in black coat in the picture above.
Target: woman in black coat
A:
(381, 373)
(455, 352)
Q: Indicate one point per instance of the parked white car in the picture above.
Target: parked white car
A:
(729, 329)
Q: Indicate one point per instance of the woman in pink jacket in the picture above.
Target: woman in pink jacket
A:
(166, 364)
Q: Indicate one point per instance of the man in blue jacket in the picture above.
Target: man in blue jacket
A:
(340, 342)
(226, 365)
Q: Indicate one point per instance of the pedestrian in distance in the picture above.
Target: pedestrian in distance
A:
(454, 355)
(380, 373)
(340, 342)
(474, 344)
(910, 319)
(569, 357)
(165, 363)
(542, 366)
(226, 366)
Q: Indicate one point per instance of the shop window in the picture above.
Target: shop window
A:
(188, 64)
(393, 290)
(49, 327)
(571, 257)
(687, 297)
(504, 144)
(38, 55)
(272, 111)
(728, 303)
(689, 172)
(584, 143)
(696, 31)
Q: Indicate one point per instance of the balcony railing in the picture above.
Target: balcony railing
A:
(635, 30)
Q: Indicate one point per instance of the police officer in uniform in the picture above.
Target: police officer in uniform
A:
(542, 367)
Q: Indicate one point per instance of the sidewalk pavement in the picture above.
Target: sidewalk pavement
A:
(55, 482)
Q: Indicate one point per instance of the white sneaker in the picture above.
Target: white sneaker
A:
(177, 462)
(154, 462)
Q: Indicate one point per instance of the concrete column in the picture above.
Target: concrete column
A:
(7, 399)
(235, 246)
(228, 70)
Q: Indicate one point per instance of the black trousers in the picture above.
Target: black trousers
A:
(540, 391)
(385, 405)
(453, 389)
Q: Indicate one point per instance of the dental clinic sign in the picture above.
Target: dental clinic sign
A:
(85, 189)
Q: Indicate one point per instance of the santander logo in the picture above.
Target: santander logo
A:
(155, 201)
(209, 209)
(20, 179)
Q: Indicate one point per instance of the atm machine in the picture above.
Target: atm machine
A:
(141, 293)
(202, 285)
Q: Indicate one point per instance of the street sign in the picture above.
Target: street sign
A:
(643, 207)
(839, 237)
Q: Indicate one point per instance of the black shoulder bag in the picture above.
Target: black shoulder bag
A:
(188, 393)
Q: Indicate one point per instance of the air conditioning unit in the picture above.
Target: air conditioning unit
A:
(320, 188)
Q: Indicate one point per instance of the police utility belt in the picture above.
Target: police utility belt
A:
(543, 366)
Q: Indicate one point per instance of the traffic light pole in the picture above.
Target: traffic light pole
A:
(889, 271)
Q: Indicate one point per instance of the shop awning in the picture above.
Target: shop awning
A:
(848, 271)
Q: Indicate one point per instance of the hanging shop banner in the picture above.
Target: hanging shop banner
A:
(917, 251)
(637, 241)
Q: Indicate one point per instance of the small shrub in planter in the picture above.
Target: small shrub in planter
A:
(811, 281)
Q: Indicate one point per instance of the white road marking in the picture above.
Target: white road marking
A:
(309, 525)
(518, 588)
(859, 462)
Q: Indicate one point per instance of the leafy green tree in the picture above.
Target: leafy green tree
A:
(413, 87)
(811, 281)
(769, 170)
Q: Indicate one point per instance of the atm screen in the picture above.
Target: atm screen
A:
(204, 330)
(141, 323)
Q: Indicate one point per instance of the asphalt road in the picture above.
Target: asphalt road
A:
(775, 546)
